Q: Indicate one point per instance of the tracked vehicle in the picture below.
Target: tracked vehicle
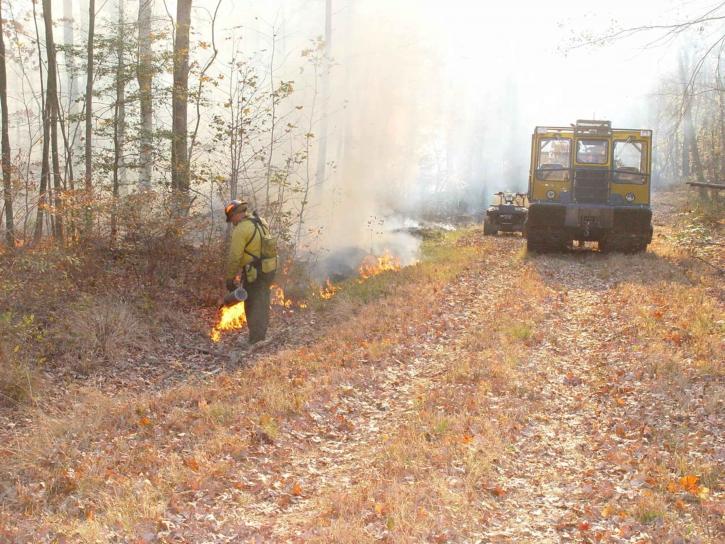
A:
(590, 182)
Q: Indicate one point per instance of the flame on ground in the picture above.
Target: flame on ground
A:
(231, 318)
(372, 265)
(328, 290)
(278, 297)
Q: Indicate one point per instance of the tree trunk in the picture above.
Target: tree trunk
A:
(71, 82)
(721, 103)
(180, 95)
(144, 74)
(118, 122)
(7, 181)
(121, 96)
(45, 168)
(695, 153)
(89, 117)
(51, 104)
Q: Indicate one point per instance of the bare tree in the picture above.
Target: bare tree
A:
(690, 149)
(7, 180)
(52, 107)
(179, 108)
(203, 77)
(70, 73)
(44, 189)
(273, 120)
(119, 118)
(145, 74)
(89, 115)
(721, 115)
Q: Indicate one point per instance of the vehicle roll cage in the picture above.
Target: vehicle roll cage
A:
(512, 198)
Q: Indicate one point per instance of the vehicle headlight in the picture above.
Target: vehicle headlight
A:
(550, 194)
(629, 197)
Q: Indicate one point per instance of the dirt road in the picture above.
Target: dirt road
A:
(595, 425)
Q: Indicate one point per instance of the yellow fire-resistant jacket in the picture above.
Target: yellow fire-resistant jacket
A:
(244, 235)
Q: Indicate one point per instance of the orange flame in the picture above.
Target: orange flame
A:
(231, 318)
(372, 266)
(278, 297)
(328, 290)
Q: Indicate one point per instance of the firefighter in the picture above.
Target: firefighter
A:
(253, 257)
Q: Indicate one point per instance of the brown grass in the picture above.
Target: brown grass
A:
(431, 478)
(18, 381)
(99, 331)
(95, 459)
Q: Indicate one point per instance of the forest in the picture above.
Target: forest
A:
(423, 379)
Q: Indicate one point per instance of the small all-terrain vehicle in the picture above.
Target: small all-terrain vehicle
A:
(507, 213)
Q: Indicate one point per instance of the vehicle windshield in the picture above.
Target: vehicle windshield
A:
(554, 159)
(509, 199)
(592, 151)
(628, 162)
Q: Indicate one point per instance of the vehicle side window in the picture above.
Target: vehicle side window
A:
(554, 159)
(592, 151)
(628, 157)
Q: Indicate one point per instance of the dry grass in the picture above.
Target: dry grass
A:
(94, 460)
(18, 382)
(432, 477)
(99, 331)
(19, 376)
(649, 507)
(681, 325)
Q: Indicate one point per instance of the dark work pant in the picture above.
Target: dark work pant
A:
(256, 308)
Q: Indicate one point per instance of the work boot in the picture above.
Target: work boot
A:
(260, 343)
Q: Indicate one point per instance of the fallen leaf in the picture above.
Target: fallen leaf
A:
(498, 491)
(192, 463)
(689, 483)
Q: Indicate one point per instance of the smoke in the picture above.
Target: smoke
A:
(430, 104)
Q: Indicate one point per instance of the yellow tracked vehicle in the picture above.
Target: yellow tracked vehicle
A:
(590, 182)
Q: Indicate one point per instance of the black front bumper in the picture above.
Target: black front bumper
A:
(584, 221)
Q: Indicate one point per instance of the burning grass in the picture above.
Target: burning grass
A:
(372, 265)
(232, 318)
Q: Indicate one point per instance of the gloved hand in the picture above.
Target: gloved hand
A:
(231, 284)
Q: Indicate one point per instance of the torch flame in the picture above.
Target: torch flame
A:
(372, 266)
(231, 318)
